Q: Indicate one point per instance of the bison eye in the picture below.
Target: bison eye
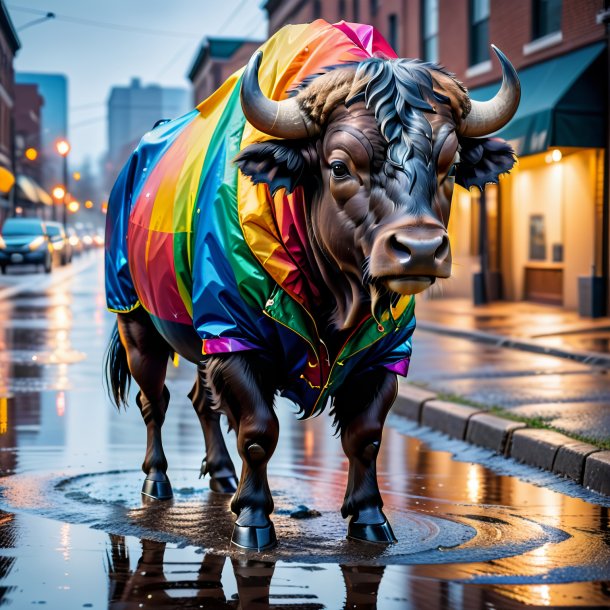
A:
(339, 170)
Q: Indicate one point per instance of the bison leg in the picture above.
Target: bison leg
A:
(239, 386)
(217, 462)
(360, 410)
(147, 355)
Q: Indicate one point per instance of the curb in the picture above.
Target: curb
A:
(583, 463)
(590, 358)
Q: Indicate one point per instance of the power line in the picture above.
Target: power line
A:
(87, 122)
(229, 19)
(105, 24)
(86, 106)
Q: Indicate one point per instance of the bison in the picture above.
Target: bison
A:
(275, 236)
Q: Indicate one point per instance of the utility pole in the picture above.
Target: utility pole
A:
(604, 17)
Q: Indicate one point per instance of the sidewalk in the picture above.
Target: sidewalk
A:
(529, 381)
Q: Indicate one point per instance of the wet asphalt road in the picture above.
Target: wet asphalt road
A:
(475, 530)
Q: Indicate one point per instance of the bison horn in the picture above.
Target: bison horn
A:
(278, 119)
(485, 118)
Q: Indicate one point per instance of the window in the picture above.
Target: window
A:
(546, 17)
(342, 9)
(356, 6)
(393, 32)
(374, 8)
(479, 31)
(317, 9)
(430, 30)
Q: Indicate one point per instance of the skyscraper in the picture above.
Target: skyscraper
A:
(132, 111)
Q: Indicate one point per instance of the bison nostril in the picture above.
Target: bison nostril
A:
(400, 244)
(443, 250)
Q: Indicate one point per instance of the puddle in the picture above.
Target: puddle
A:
(474, 530)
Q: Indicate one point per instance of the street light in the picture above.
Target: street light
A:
(63, 148)
(42, 19)
(59, 192)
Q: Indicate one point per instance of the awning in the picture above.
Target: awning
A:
(29, 191)
(562, 103)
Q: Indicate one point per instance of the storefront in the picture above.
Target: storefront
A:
(541, 229)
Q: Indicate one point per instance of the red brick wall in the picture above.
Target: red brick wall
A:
(510, 28)
(28, 103)
(214, 72)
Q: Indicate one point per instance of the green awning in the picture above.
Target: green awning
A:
(562, 103)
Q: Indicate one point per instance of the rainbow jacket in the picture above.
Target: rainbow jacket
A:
(198, 246)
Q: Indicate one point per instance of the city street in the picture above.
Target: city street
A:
(475, 530)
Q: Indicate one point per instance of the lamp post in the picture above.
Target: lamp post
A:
(63, 148)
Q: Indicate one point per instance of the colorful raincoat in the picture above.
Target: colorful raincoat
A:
(197, 245)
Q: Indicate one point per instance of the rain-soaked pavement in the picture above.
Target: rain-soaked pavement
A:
(475, 530)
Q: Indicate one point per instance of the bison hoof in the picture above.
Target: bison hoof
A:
(254, 538)
(223, 485)
(157, 486)
(378, 533)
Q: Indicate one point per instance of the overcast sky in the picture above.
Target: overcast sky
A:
(101, 43)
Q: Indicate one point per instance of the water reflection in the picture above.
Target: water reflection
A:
(159, 583)
(162, 577)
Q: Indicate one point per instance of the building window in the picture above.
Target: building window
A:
(393, 32)
(429, 11)
(374, 8)
(546, 18)
(342, 9)
(317, 9)
(356, 7)
(479, 31)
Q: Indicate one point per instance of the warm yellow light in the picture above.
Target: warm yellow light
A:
(63, 147)
(73, 206)
(31, 154)
(104, 207)
(76, 176)
(6, 180)
(88, 204)
(556, 155)
(58, 192)
(3, 415)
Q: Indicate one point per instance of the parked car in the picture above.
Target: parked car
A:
(25, 241)
(75, 241)
(60, 241)
(98, 237)
(85, 234)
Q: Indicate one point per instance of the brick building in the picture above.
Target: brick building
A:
(215, 61)
(9, 45)
(546, 226)
(28, 105)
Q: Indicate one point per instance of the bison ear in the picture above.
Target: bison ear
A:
(277, 163)
(482, 160)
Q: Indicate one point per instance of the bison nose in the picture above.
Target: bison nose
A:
(420, 254)
(406, 247)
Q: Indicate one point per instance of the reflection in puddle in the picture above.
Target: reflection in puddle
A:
(162, 577)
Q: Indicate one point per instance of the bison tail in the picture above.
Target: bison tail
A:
(117, 377)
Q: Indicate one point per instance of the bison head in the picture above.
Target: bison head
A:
(377, 146)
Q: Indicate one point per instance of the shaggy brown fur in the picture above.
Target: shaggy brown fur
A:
(330, 90)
